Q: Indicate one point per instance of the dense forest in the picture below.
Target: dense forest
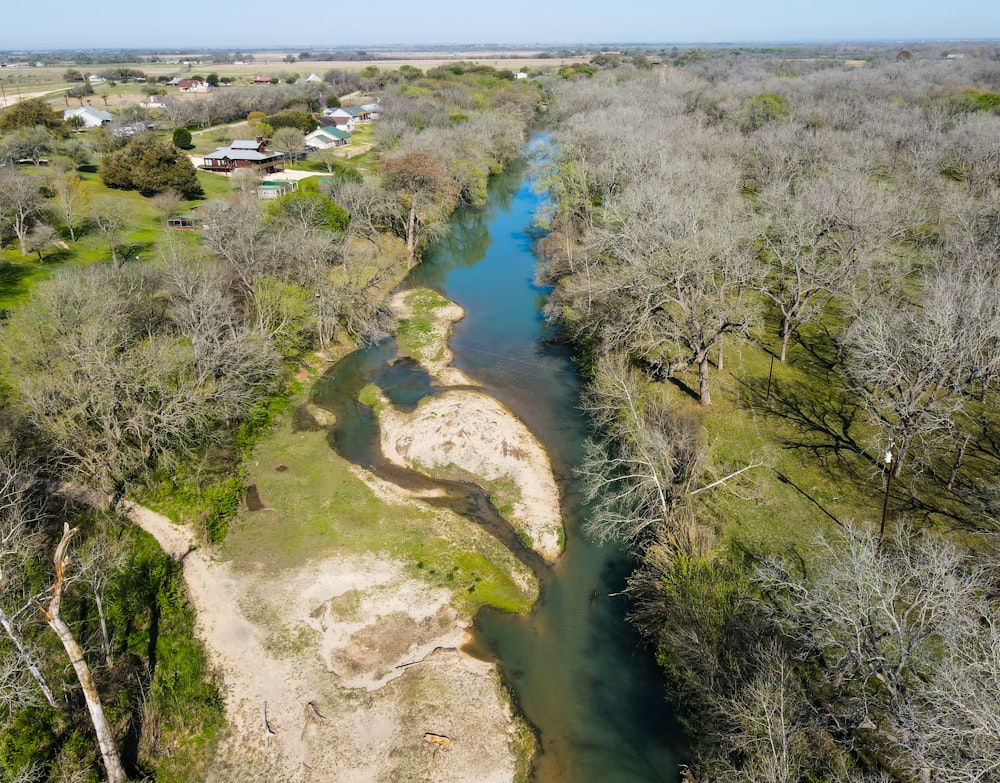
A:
(782, 279)
(137, 362)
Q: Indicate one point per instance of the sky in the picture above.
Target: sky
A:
(257, 24)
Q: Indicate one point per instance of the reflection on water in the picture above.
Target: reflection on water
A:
(578, 670)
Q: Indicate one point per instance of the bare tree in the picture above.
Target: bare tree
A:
(674, 288)
(111, 390)
(53, 615)
(640, 472)
(876, 625)
(112, 220)
(910, 365)
(70, 200)
(802, 272)
(424, 191)
(237, 234)
(288, 141)
(20, 204)
(22, 529)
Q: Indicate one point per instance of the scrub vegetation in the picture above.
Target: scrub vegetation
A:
(781, 276)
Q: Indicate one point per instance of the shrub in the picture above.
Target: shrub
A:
(182, 138)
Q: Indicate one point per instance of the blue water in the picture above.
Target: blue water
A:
(580, 673)
(578, 670)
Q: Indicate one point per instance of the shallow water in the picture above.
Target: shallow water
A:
(579, 672)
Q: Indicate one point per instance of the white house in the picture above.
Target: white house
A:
(322, 138)
(92, 118)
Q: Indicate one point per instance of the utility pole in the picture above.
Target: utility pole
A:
(890, 457)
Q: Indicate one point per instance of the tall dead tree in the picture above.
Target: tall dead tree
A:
(52, 612)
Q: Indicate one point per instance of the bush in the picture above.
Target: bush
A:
(182, 138)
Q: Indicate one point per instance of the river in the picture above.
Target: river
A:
(579, 672)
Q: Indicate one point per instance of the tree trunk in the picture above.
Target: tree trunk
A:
(703, 393)
(786, 335)
(722, 352)
(105, 737)
(411, 235)
(22, 651)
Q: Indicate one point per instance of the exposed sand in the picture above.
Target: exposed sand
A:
(353, 662)
(470, 431)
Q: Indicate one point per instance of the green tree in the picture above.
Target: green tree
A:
(309, 211)
(291, 118)
(758, 111)
(27, 114)
(182, 138)
(150, 166)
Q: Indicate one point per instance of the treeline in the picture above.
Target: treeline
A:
(844, 219)
(156, 376)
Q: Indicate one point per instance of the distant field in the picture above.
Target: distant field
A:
(23, 83)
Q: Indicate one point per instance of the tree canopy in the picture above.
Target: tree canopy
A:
(150, 166)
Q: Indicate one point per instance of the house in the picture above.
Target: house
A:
(191, 85)
(95, 79)
(310, 79)
(359, 113)
(261, 80)
(154, 102)
(92, 118)
(323, 138)
(243, 154)
(339, 118)
(187, 219)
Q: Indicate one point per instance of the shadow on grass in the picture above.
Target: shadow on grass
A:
(13, 280)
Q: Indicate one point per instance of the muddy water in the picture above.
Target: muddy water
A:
(579, 672)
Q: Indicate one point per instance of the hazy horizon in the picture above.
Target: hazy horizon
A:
(253, 25)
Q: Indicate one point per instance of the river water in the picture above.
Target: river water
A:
(579, 672)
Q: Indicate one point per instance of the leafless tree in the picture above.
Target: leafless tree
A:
(70, 200)
(677, 288)
(425, 193)
(237, 234)
(53, 615)
(112, 220)
(22, 531)
(110, 390)
(640, 472)
(878, 625)
(910, 365)
(20, 204)
(288, 141)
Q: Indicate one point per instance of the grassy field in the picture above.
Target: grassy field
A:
(140, 241)
(316, 507)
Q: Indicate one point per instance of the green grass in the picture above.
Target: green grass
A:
(818, 466)
(19, 274)
(417, 332)
(319, 509)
